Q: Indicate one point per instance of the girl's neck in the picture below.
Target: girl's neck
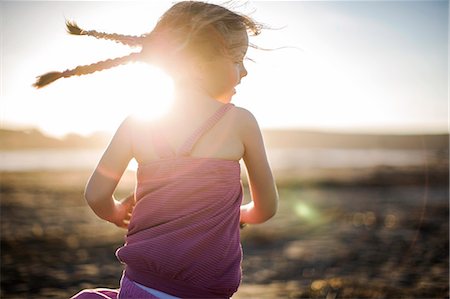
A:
(190, 102)
(188, 94)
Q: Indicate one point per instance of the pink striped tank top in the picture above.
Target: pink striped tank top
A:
(183, 238)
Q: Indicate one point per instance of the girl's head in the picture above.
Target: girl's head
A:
(191, 41)
(203, 44)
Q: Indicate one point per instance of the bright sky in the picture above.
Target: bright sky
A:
(352, 66)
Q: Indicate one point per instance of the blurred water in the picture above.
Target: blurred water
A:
(280, 159)
(48, 159)
(293, 158)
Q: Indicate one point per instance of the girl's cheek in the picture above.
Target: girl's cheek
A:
(234, 74)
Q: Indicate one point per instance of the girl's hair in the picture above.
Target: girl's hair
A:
(197, 29)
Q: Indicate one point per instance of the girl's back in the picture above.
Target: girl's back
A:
(183, 237)
(221, 141)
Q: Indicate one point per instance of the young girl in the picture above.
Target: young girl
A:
(183, 221)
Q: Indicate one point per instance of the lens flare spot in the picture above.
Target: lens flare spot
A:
(303, 210)
(369, 219)
(318, 285)
(306, 212)
(358, 219)
(390, 221)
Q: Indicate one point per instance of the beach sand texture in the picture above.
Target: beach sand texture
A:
(385, 235)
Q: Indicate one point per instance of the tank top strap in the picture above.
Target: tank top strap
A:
(187, 147)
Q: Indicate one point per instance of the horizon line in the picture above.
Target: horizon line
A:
(314, 130)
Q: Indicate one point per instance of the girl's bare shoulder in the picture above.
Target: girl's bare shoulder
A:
(243, 115)
(245, 120)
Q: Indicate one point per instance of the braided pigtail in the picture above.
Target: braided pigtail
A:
(48, 78)
(128, 40)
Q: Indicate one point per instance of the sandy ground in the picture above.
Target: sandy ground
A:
(384, 237)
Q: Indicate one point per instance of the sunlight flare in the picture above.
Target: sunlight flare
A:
(150, 91)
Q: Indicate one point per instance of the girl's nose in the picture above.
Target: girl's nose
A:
(243, 71)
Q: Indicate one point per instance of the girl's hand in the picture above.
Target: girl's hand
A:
(122, 211)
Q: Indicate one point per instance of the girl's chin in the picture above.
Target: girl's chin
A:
(225, 98)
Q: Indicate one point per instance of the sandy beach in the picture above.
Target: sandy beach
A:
(385, 235)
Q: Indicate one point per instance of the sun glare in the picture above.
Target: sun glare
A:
(149, 94)
(149, 91)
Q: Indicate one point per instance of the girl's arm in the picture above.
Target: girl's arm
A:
(263, 190)
(103, 181)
